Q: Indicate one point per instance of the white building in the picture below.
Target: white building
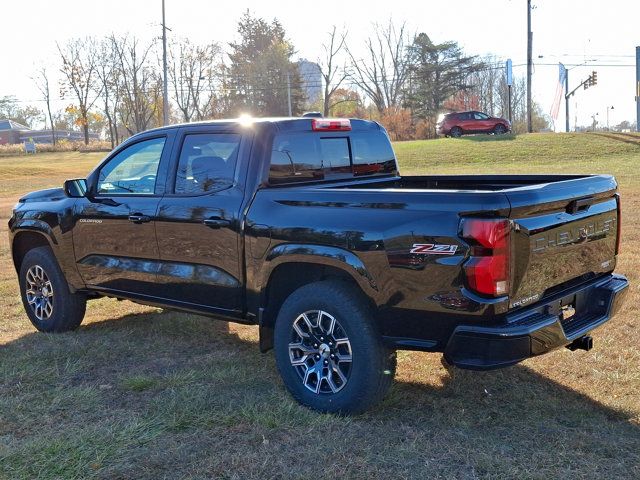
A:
(311, 78)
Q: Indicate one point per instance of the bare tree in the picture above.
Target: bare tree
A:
(42, 83)
(79, 69)
(328, 68)
(109, 78)
(383, 72)
(193, 73)
(140, 85)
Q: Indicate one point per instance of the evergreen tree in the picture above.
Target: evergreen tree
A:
(256, 79)
(438, 71)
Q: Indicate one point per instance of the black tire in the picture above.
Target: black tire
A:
(456, 132)
(499, 129)
(372, 366)
(66, 309)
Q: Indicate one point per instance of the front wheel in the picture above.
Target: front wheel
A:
(329, 354)
(49, 304)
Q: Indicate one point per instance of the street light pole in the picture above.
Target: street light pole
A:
(566, 100)
(608, 108)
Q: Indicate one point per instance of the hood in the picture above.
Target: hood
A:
(43, 195)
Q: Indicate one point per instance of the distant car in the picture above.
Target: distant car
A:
(462, 123)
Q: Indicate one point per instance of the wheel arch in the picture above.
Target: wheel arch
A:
(293, 266)
(26, 240)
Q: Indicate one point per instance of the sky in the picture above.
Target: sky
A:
(601, 34)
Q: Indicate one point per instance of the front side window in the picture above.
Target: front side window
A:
(480, 116)
(132, 170)
(207, 163)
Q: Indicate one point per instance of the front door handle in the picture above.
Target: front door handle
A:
(139, 218)
(216, 222)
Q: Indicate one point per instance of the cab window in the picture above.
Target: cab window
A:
(134, 170)
(299, 157)
(207, 163)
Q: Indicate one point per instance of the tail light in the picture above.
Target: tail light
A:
(488, 269)
(618, 224)
(330, 124)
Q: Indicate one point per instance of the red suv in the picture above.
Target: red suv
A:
(461, 123)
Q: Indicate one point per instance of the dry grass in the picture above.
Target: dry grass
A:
(60, 146)
(141, 393)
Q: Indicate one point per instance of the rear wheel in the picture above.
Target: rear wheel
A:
(329, 353)
(456, 132)
(49, 304)
(500, 129)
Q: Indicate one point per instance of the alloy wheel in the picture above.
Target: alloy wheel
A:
(39, 292)
(320, 352)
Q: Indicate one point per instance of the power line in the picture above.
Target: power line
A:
(238, 79)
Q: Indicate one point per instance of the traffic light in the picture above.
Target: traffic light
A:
(587, 83)
(594, 78)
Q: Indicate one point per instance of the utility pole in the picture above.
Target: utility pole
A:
(165, 84)
(637, 89)
(529, 65)
(289, 92)
(509, 83)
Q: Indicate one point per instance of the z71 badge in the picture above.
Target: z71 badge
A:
(433, 249)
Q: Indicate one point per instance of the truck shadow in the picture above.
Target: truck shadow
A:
(199, 369)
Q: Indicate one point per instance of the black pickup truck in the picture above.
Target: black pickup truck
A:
(305, 227)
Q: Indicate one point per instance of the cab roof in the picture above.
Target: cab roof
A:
(281, 123)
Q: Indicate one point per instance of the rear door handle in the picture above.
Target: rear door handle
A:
(139, 218)
(216, 222)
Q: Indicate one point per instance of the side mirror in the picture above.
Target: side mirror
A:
(75, 188)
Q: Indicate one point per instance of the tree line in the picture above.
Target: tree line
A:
(402, 79)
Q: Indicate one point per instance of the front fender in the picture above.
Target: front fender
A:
(33, 225)
(57, 238)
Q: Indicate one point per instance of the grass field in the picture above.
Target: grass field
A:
(142, 393)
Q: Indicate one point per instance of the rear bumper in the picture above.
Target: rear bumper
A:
(538, 329)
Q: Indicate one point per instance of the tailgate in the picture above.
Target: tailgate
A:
(563, 232)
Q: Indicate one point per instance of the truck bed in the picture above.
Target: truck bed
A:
(564, 227)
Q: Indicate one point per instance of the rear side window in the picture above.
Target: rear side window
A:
(207, 163)
(302, 156)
